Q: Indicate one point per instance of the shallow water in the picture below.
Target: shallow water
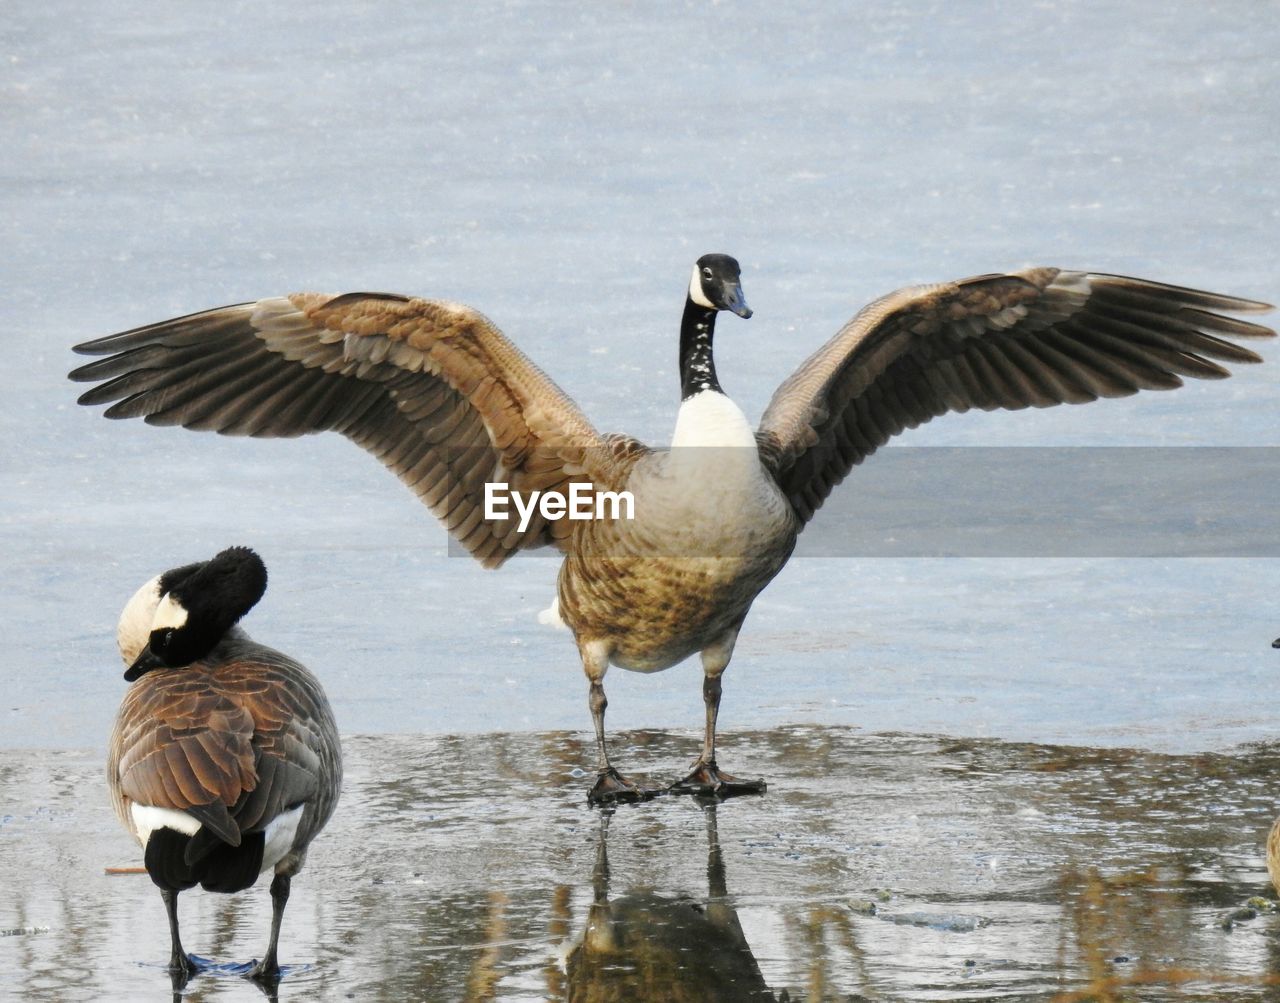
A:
(878, 867)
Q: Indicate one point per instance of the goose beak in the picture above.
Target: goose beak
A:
(735, 301)
(143, 664)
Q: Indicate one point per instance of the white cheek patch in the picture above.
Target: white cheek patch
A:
(695, 290)
(134, 627)
(169, 614)
(148, 818)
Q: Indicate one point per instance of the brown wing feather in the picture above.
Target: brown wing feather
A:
(174, 747)
(431, 388)
(233, 743)
(1029, 339)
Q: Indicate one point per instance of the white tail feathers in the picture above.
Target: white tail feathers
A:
(551, 615)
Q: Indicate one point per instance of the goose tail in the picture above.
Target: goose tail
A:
(551, 615)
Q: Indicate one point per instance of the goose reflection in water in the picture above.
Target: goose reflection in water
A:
(648, 946)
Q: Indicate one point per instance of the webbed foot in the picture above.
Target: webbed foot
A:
(182, 969)
(707, 780)
(267, 972)
(611, 787)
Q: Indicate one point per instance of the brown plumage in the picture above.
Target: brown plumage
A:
(235, 740)
(1033, 338)
(225, 766)
(431, 388)
(441, 397)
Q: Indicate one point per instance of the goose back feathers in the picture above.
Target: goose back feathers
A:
(235, 742)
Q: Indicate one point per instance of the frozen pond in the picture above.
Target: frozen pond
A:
(560, 169)
(878, 867)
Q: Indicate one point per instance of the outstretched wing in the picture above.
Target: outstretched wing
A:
(1028, 339)
(432, 388)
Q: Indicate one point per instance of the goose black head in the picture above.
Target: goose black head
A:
(198, 604)
(717, 284)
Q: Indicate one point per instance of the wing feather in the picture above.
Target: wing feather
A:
(431, 388)
(1033, 338)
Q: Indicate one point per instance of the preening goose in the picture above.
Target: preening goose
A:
(224, 760)
(446, 401)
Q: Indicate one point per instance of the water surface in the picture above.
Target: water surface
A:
(878, 867)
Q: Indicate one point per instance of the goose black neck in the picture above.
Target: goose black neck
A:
(697, 364)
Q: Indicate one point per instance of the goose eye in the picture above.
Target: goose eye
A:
(166, 638)
(706, 273)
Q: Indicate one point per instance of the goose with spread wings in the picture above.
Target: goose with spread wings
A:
(436, 392)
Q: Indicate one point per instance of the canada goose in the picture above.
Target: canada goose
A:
(442, 398)
(224, 760)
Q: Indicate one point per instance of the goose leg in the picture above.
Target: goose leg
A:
(268, 969)
(611, 787)
(181, 967)
(705, 777)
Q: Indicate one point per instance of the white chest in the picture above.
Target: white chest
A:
(713, 450)
(711, 486)
(712, 420)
